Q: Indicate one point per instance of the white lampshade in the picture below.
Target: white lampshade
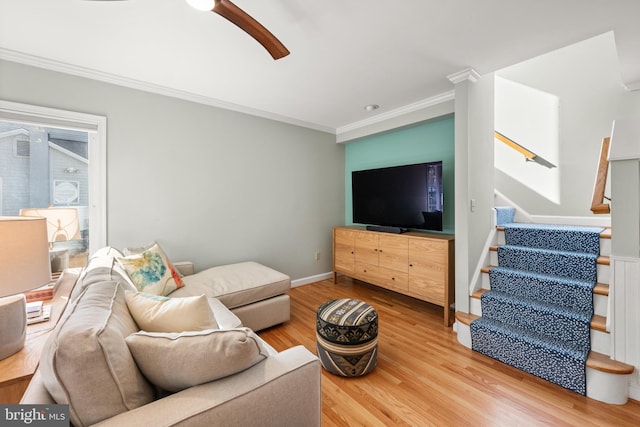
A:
(24, 254)
(62, 223)
(24, 265)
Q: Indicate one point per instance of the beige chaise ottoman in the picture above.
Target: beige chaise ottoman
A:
(257, 294)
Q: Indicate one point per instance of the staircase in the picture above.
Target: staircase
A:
(542, 307)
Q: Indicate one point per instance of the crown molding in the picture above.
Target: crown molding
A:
(466, 74)
(410, 108)
(62, 67)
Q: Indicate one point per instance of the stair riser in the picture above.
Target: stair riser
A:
(600, 305)
(601, 342)
(604, 272)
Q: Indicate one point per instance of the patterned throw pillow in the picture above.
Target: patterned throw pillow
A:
(151, 271)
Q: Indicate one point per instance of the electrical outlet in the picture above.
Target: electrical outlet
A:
(316, 256)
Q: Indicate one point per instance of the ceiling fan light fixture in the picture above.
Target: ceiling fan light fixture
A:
(205, 5)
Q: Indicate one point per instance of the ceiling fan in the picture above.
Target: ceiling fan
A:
(245, 22)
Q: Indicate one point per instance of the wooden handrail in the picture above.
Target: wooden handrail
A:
(511, 143)
(598, 206)
(529, 155)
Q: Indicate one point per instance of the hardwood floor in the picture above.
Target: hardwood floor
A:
(424, 377)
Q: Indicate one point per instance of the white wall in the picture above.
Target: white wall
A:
(474, 178)
(585, 79)
(211, 185)
(529, 117)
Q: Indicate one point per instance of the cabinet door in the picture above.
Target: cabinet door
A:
(367, 248)
(393, 252)
(427, 269)
(344, 250)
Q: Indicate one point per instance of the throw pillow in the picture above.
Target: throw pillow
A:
(175, 361)
(151, 271)
(155, 313)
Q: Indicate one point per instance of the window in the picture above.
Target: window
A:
(52, 157)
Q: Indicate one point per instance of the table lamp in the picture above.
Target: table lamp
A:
(62, 226)
(24, 265)
(62, 223)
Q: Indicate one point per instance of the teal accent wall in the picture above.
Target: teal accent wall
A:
(424, 142)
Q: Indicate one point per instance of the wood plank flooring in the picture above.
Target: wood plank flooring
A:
(424, 377)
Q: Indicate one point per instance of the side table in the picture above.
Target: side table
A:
(16, 370)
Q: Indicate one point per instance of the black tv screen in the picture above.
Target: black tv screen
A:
(407, 197)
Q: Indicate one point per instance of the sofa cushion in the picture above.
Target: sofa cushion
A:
(86, 363)
(102, 266)
(175, 361)
(238, 284)
(155, 313)
(151, 271)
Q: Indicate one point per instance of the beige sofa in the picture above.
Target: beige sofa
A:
(258, 295)
(94, 360)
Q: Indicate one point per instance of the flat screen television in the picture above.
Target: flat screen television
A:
(400, 197)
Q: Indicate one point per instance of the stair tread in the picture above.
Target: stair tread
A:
(602, 362)
(599, 323)
(477, 294)
(601, 289)
(597, 361)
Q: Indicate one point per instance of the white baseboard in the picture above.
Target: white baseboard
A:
(311, 279)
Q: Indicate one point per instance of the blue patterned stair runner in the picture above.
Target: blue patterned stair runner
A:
(537, 315)
(546, 319)
(570, 293)
(552, 361)
(555, 237)
(573, 265)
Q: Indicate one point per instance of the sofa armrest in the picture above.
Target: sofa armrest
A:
(36, 392)
(282, 390)
(186, 268)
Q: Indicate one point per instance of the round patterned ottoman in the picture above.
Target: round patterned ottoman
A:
(347, 337)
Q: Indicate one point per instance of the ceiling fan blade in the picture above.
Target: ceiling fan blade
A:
(240, 18)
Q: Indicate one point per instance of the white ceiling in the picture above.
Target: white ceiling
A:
(345, 54)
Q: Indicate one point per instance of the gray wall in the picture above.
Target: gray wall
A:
(211, 185)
